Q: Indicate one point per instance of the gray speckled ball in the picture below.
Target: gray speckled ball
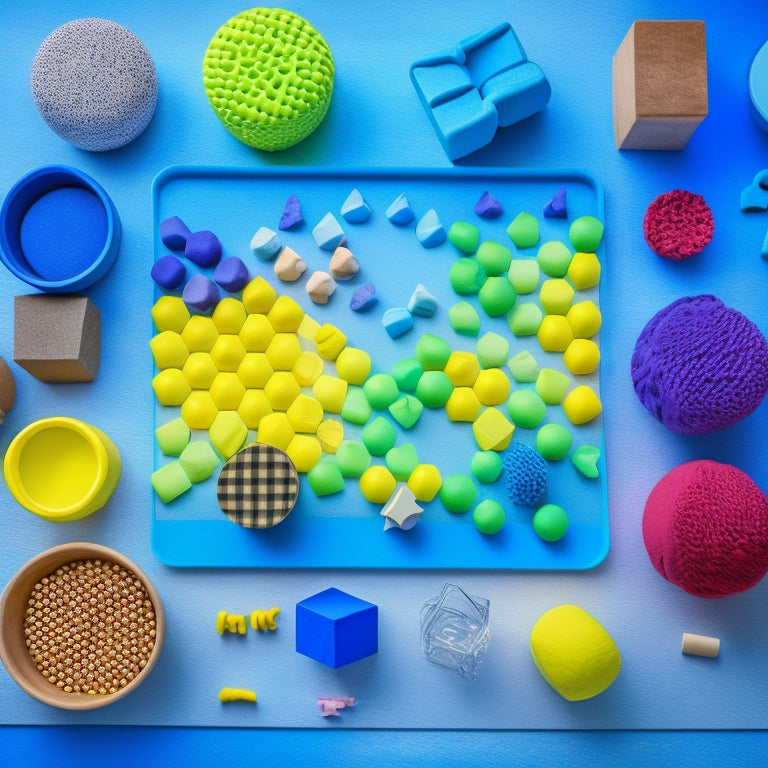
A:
(95, 84)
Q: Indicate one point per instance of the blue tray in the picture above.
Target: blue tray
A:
(345, 530)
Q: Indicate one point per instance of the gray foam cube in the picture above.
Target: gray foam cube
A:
(57, 338)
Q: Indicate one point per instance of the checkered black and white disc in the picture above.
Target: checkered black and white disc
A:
(258, 486)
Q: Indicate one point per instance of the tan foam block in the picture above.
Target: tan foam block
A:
(659, 84)
(57, 338)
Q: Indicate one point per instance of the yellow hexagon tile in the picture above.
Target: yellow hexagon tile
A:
(200, 333)
(254, 370)
(227, 391)
(168, 350)
(463, 405)
(285, 315)
(227, 352)
(462, 368)
(170, 313)
(259, 296)
(170, 386)
(199, 370)
(283, 351)
(198, 410)
(275, 429)
(492, 386)
(305, 414)
(253, 407)
(256, 333)
(282, 389)
(229, 315)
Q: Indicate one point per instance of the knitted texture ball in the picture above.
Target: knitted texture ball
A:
(526, 473)
(699, 366)
(95, 84)
(705, 527)
(678, 224)
(268, 74)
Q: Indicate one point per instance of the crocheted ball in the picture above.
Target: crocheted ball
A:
(95, 84)
(699, 366)
(526, 473)
(705, 527)
(268, 74)
(678, 224)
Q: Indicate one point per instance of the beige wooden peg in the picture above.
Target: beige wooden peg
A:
(700, 645)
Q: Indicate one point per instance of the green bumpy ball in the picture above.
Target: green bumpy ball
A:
(268, 75)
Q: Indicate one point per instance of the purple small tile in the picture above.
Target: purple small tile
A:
(555, 208)
(231, 274)
(363, 298)
(291, 215)
(174, 233)
(203, 248)
(168, 272)
(200, 293)
(488, 207)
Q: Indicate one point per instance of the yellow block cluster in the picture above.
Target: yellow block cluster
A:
(245, 368)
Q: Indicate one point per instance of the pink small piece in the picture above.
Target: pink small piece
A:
(330, 706)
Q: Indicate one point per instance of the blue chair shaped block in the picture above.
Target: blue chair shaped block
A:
(336, 628)
(485, 83)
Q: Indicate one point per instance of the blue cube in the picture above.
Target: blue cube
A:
(336, 628)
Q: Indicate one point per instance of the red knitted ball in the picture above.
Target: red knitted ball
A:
(678, 224)
(705, 527)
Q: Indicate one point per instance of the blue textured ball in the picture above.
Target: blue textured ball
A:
(526, 473)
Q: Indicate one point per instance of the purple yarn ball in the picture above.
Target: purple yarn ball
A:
(699, 366)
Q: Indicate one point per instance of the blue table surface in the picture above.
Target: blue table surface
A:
(691, 711)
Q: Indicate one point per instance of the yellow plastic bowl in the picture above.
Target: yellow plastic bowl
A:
(61, 468)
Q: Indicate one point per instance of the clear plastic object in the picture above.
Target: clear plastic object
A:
(454, 630)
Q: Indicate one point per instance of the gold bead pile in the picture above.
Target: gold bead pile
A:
(90, 627)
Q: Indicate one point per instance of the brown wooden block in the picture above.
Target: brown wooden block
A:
(659, 84)
(57, 338)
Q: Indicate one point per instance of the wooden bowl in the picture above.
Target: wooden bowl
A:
(14, 604)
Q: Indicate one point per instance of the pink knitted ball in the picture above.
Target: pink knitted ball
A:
(705, 527)
(678, 224)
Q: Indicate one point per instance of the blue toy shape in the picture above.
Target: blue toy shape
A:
(755, 196)
(482, 84)
(336, 628)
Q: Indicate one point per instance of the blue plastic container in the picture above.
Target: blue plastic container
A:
(59, 230)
